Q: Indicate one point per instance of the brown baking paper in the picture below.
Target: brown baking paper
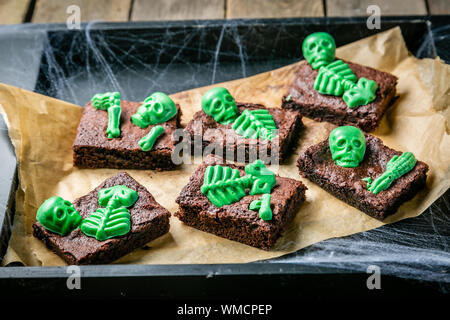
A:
(42, 130)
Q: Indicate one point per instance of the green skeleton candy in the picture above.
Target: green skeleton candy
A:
(147, 142)
(117, 196)
(58, 215)
(263, 180)
(335, 77)
(319, 49)
(224, 185)
(109, 101)
(395, 168)
(347, 146)
(262, 205)
(219, 104)
(115, 219)
(254, 124)
(157, 108)
(360, 94)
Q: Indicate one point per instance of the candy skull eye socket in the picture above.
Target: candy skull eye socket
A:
(326, 43)
(341, 143)
(60, 213)
(311, 46)
(158, 108)
(217, 105)
(229, 98)
(356, 143)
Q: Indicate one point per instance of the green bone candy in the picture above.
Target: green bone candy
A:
(157, 108)
(223, 185)
(263, 180)
(106, 223)
(58, 215)
(255, 124)
(334, 78)
(147, 142)
(219, 104)
(109, 101)
(395, 168)
(115, 219)
(262, 205)
(361, 94)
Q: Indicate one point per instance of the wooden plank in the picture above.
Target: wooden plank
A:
(347, 8)
(144, 10)
(439, 6)
(12, 12)
(106, 10)
(274, 8)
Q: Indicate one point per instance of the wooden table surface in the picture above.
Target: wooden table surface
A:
(44, 11)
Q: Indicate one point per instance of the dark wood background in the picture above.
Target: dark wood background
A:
(44, 11)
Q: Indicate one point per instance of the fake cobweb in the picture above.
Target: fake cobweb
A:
(141, 58)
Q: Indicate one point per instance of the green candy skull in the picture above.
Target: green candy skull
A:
(319, 49)
(347, 146)
(117, 196)
(157, 108)
(220, 104)
(58, 215)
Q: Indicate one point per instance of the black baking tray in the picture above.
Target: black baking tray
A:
(142, 57)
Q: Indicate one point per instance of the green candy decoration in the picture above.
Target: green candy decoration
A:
(252, 124)
(117, 196)
(147, 142)
(115, 219)
(157, 108)
(255, 124)
(395, 168)
(262, 205)
(107, 223)
(319, 49)
(347, 146)
(109, 101)
(219, 104)
(335, 77)
(58, 215)
(263, 180)
(360, 94)
(224, 185)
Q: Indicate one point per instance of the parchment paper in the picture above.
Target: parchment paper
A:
(42, 130)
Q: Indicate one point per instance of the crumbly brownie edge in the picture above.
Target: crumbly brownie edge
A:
(93, 157)
(322, 113)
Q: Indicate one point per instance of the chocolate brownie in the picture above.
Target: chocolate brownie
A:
(347, 185)
(93, 149)
(149, 220)
(320, 107)
(235, 221)
(209, 133)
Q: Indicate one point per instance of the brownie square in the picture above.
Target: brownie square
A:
(93, 149)
(210, 134)
(320, 107)
(347, 185)
(149, 220)
(235, 221)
